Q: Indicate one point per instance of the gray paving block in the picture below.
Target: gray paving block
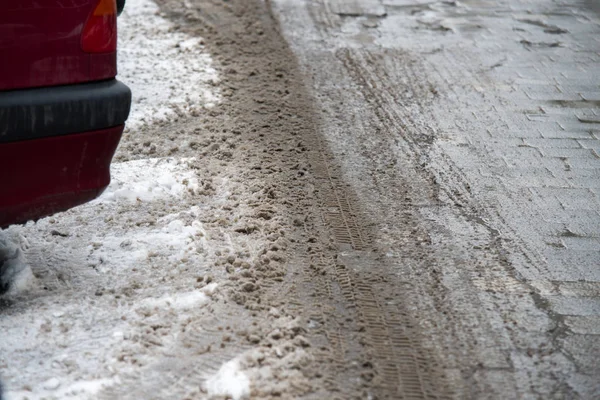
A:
(522, 134)
(585, 349)
(590, 96)
(584, 182)
(546, 143)
(566, 134)
(569, 172)
(531, 177)
(521, 157)
(568, 153)
(576, 222)
(578, 289)
(582, 243)
(585, 163)
(545, 199)
(583, 324)
(577, 199)
(567, 305)
(571, 265)
(593, 144)
(557, 166)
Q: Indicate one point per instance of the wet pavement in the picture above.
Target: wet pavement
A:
(500, 102)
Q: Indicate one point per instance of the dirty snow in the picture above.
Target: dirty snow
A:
(168, 71)
(53, 388)
(84, 283)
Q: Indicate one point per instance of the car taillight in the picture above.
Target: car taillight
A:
(100, 31)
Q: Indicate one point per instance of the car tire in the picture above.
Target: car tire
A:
(120, 6)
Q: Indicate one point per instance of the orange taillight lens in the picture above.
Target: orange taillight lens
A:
(100, 31)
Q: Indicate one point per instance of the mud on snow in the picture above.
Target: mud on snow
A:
(256, 241)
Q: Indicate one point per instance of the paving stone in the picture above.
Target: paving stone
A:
(522, 134)
(590, 96)
(586, 350)
(577, 199)
(566, 171)
(565, 134)
(567, 305)
(578, 289)
(591, 144)
(582, 243)
(545, 198)
(583, 182)
(577, 222)
(585, 163)
(530, 177)
(583, 324)
(568, 153)
(553, 143)
(568, 265)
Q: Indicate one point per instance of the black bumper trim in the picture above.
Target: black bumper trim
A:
(61, 110)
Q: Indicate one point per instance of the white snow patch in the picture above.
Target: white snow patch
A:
(229, 381)
(166, 70)
(14, 269)
(176, 240)
(210, 288)
(51, 384)
(150, 179)
(179, 301)
(23, 280)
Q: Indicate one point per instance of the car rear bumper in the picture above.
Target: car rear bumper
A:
(56, 145)
(43, 176)
(61, 110)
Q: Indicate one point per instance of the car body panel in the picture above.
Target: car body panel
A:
(55, 173)
(62, 111)
(40, 44)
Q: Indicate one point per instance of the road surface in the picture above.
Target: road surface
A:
(371, 199)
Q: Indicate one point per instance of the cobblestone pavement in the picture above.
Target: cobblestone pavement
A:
(509, 103)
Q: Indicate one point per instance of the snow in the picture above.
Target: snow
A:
(52, 388)
(229, 381)
(168, 71)
(51, 384)
(15, 269)
(150, 179)
(179, 301)
(106, 248)
(210, 289)
(135, 247)
(70, 326)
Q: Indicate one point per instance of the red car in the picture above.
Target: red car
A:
(62, 111)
